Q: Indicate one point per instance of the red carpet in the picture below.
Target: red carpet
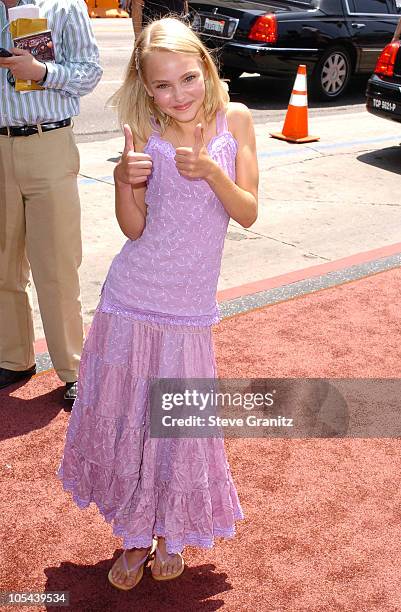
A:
(323, 517)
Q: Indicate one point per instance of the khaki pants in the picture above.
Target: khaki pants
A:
(40, 229)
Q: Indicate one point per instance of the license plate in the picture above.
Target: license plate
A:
(384, 105)
(214, 25)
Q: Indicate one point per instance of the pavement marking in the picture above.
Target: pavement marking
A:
(259, 301)
(351, 143)
(308, 273)
(103, 82)
(43, 363)
(87, 180)
(327, 147)
(116, 48)
(307, 286)
(108, 30)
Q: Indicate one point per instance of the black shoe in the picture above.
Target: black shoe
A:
(70, 392)
(9, 377)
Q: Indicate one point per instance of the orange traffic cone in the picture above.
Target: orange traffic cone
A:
(296, 121)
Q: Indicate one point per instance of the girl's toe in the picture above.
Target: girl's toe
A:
(169, 569)
(118, 575)
(128, 580)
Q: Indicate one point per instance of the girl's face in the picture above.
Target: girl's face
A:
(177, 83)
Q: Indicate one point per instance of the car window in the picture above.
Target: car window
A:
(369, 6)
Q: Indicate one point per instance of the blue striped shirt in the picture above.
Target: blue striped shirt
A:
(75, 72)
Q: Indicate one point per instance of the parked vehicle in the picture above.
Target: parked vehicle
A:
(334, 38)
(383, 94)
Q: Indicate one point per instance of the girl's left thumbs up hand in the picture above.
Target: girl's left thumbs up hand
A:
(194, 162)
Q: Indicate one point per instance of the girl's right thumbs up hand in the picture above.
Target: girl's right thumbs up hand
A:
(133, 168)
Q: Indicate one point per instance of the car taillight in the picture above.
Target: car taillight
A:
(264, 29)
(386, 61)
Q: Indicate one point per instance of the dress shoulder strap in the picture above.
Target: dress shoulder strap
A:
(155, 133)
(221, 122)
(155, 126)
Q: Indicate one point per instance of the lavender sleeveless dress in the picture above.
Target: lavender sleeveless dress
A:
(154, 321)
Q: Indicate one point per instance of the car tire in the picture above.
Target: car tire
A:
(230, 73)
(331, 74)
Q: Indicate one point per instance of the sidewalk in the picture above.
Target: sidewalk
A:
(319, 203)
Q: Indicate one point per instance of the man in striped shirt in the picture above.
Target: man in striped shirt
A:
(39, 204)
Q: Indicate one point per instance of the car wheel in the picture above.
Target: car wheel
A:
(230, 73)
(331, 74)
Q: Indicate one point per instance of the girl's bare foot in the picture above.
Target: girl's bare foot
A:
(133, 556)
(173, 562)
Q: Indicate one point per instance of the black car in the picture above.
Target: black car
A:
(383, 94)
(334, 38)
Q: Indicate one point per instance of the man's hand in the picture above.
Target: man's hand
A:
(133, 168)
(194, 162)
(23, 65)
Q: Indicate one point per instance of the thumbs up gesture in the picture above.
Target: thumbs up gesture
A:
(133, 168)
(194, 162)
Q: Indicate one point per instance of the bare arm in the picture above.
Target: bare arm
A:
(130, 175)
(130, 217)
(240, 199)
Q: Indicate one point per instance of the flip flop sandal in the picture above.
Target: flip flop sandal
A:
(163, 561)
(137, 568)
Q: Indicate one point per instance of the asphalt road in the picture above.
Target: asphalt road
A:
(267, 98)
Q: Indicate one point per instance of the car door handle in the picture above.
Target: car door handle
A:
(358, 26)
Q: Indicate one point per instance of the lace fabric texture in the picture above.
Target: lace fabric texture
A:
(179, 488)
(171, 271)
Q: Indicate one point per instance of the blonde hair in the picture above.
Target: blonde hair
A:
(135, 106)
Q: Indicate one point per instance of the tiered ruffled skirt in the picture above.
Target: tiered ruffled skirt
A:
(181, 489)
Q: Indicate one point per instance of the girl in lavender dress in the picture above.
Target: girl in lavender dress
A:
(189, 164)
